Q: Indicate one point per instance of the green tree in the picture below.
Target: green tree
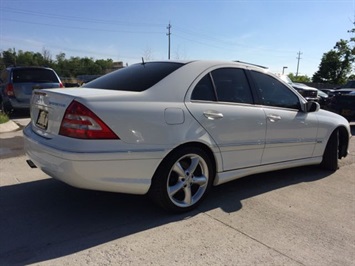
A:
(301, 79)
(104, 64)
(69, 68)
(337, 64)
(9, 57)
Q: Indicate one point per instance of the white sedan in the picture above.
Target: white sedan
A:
(174, 129)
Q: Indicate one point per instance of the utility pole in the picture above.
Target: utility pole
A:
(169, 33)
(298, 61)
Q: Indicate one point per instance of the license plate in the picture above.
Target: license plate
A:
(346, 112)
(42, 119)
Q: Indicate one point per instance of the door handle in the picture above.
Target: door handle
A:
(212, 115)
(273, 118)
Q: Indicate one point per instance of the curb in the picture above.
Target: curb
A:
(9, 126)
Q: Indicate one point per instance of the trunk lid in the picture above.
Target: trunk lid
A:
(48, 106)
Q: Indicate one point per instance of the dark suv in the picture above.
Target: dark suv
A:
(349, 84)
(17, 83)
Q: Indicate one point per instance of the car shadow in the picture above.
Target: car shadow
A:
(47, 219)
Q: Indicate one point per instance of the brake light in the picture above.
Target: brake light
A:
(81, 123)
(9, 90)
(61, 85)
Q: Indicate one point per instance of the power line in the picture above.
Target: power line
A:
(80, 19)
(82, 28)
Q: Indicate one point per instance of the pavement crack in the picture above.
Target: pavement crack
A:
(253, 238)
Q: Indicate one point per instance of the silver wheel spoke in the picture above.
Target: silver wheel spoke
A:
(188, 198)
(175, 188)
(200, 180)
(194, 163)
(178, 169)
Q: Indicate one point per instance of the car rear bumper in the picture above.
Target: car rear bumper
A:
(15, 104)
(114, 172)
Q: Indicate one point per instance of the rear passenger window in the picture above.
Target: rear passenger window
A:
(232, 85)
(204, 90)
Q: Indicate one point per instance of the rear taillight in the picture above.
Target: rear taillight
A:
(9, 90)
(81, 123)
(61, 85)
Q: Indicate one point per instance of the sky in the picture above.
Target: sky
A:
(272, 33)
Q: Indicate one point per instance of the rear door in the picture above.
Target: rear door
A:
(222, 102)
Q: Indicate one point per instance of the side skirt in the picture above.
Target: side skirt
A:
(223, 177)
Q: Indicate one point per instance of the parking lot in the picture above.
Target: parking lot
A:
(300, 216)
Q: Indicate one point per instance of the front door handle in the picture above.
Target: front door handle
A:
(273, 118)
(212, 115)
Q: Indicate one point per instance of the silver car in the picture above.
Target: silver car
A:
(17, 84)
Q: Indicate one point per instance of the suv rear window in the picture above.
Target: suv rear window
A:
(37, 75)
(138, 77)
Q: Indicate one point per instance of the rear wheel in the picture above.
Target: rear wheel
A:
(331, 153)
(182, 180)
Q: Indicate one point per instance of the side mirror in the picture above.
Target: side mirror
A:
(312, 106)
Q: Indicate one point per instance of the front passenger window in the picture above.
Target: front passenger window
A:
(273, 93)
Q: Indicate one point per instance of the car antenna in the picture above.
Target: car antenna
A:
(143, 63)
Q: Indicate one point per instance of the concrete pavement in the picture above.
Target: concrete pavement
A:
(14, 125)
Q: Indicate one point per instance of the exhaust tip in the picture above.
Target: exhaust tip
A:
(31, 164)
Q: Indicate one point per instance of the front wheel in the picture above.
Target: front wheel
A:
(331, 153)
(182, 180)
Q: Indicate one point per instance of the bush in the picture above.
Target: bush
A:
(3, 118)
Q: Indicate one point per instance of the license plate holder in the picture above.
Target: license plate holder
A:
(42, 119)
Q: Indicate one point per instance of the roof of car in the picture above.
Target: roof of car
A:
(28, 67)
(208, 62)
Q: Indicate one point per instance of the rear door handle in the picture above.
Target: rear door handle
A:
(273, 118)
(212, 115)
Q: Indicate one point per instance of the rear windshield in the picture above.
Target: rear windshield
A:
(138, 77)
(37, 75)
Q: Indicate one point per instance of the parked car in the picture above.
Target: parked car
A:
(323, 99)
(344, 104)
(309, 93)
(17, 84)
(330, 92)
(173, 129)
(349, 84)
(344, 91)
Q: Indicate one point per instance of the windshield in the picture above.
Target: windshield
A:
(38, 75)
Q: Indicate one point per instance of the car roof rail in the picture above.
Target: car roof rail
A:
(237, 61)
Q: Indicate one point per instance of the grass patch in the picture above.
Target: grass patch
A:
(3, 118)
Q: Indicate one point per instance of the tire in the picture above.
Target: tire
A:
(182, 180)
(331, 153)
(5, 108)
